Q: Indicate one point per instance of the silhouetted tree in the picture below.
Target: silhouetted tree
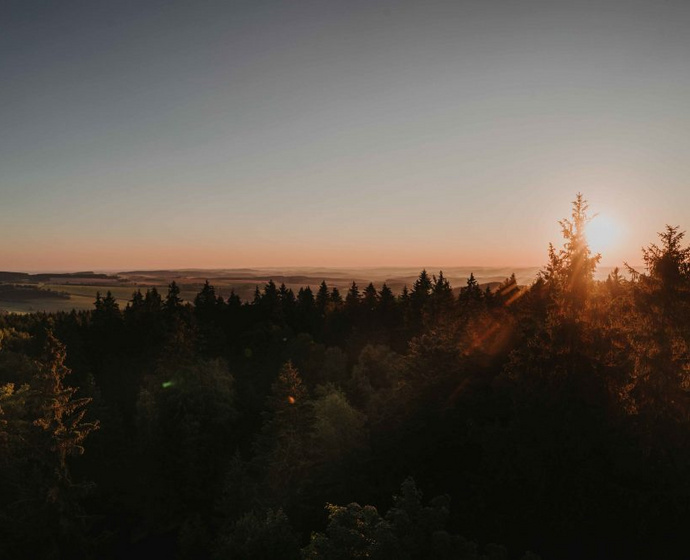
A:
(173, 301)
(322, 298)
(336, 298)
(352, 299)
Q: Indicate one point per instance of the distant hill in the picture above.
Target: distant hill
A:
(52, 276)
(82, 286)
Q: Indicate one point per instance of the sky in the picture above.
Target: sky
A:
(150, 134)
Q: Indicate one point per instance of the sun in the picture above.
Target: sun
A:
(603, 232)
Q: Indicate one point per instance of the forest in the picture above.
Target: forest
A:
(545, 421)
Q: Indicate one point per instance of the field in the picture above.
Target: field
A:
(50, 293)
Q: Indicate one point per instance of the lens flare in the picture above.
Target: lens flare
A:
(603, 233)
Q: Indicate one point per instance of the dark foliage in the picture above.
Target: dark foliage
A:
(553, 418)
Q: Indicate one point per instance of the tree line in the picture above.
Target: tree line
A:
(549, 419)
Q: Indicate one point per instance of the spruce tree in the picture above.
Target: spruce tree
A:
(322, 298)
(353, 296)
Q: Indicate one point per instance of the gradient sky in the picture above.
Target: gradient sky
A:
(147, 134)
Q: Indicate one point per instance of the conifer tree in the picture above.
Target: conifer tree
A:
(205, 300)
(61, 415)
(371, 297)
(386, 298)
(471, 294)
(137, 301)
(270, 302)
(322, 298)
(441, 294)
(570, 271)
(287, 301)
(353, 296)
(42, 425)
(421, 289)
(305, 299)
(173, 301)
(234, 301)
(508, 292)
(668, 265)
(153, 301)
(283, 444)
(336, 298)
(659, 335)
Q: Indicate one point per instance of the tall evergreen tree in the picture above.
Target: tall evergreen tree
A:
(173, 301)
(471, 294)
(421, 289)
(283, 445)
(371, 297)
(322, 298)
(386, 298)
(205, 300)
(353, 296)
(336, 298)
(153, 301)
(570, 271)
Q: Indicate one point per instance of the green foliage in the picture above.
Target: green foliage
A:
(173, 301)
(408, 531)
(42, 425)
(352, 299)
(669, 264)
(556, 415)
(186, 427)
(322, 298)
(283, 446)
(354, 532)
(471, 295)
(338, 427)
(375, 378)
(254, 536)
(658, 333)
(570, 270)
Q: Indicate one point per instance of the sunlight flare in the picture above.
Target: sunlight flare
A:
(603, 233)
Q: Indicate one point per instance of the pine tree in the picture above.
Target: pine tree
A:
(421, 289)
(42, 425)
(668, 265)
(305, 299)
(153, 301)
(570, 271)
(371, 297)
(659, 330)
(336, 298)
(173, 301)
(288, 302)
(322, 298)
(471, 294)
(352, 298)
(283, 444)
(61, 415)
(270, 301)
(234, 301)
(205, 300)
(270, 295)
(386, 298)
(137, 301)
(442, 294)
(110, 305)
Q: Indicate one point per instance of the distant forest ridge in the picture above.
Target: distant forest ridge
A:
(60, 291)
(392, 275)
